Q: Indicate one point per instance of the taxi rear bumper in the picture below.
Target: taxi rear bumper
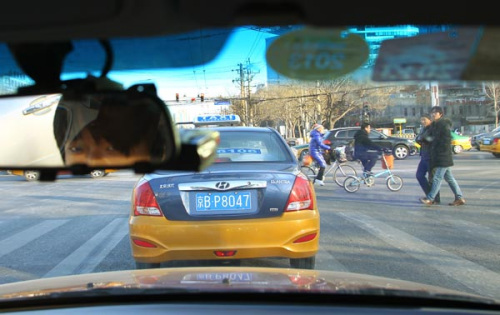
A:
(293, 235)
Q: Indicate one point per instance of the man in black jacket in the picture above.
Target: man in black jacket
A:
(441, 158)
(423, 174)
(364, 149)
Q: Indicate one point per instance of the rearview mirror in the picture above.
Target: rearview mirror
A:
(114, 129)
(98, 130)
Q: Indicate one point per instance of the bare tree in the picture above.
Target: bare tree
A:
(492, 91)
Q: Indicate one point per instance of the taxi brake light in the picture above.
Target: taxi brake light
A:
(495, 141)
(145, 201)
(301, 195)
(224, 253)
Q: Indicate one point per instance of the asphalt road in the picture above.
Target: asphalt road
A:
(79, 225)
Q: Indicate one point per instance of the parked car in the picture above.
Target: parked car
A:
(491, 143)
(476, 139)
(400, 147)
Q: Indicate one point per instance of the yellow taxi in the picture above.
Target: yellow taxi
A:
(460, 143)
(491, 143)
(251, 203)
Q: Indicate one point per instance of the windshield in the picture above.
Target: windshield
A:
(424, 211)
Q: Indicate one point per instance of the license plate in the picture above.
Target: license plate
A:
(486, 141)
(223, 201)
(241, 277)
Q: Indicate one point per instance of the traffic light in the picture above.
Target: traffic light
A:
(202, 97)
(176, 97)
(366, 113)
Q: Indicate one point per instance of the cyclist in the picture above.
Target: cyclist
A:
(365, 150)
(315, 146)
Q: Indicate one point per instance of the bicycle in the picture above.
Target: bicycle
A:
(393, 181)
(339, 168)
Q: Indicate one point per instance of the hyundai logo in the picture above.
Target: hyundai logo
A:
(222, 185)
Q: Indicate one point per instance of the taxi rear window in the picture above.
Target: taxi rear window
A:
(251, 147)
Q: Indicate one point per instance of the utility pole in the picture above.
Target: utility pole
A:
(245, 78)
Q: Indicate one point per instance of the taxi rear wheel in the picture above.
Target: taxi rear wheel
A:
(97, 173)
(140, 265)
(457, 149)
(303, 263)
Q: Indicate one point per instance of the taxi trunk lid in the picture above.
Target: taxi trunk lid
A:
(222, 194)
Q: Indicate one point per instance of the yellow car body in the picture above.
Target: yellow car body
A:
(187, 240)
(458, 143)
(491, 144)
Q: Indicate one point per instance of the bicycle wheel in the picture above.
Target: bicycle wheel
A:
(341, 173)
(351, 184)
(308, 171)
(394, 182)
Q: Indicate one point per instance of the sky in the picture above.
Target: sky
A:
(213, 79)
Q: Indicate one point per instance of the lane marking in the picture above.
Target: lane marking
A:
(474, 276)
(325, 256)
(28, 235)
(113, 232)
(120, 232)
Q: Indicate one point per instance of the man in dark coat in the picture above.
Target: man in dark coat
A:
(423, 173)
(441, 158)
(364, 149)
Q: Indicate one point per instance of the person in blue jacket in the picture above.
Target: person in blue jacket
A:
(315, 146)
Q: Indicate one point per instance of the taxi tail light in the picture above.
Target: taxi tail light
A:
(225, 253)
(495, 141)
(301, 197)
(145, 201)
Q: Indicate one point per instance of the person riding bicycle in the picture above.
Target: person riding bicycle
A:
(315, 146)
(365, 150)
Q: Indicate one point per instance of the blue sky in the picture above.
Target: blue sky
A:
(213, 79)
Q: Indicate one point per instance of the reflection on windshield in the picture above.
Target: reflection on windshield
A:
(111, 130)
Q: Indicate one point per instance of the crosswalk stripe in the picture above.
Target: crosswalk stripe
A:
(332, 263)
(474, 276)
(70, 265)
(22, 238)
(117, 235)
